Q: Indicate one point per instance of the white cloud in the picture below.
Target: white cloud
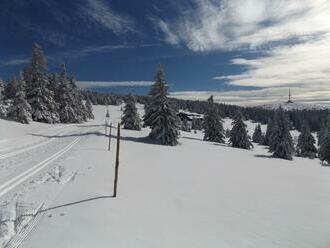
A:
(90, 50)
(15, 62)
(104, 84)
(232, 24)
(170, 36)
(99, 12)
(306, 64)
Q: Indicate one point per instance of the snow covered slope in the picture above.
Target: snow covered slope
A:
(296, 106)
(195, 195)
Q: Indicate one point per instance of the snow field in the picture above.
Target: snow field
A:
(197, 194)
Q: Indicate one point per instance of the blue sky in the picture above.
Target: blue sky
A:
(243, 51)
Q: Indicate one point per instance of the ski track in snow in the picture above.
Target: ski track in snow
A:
(22, 166)
(29, 147)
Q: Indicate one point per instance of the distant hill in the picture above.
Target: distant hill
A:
(296, 106)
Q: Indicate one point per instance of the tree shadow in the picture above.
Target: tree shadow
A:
(69, 135)
(221, 144)
(263, 156)
(96, 125)
(191, 138)
(144, 140)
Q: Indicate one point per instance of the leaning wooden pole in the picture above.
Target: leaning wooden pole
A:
(109, 147)
(117, 162)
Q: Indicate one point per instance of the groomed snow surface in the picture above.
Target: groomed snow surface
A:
(197, 194)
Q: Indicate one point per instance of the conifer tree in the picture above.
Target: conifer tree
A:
(306, 143)
(213, 127)
(11, 88)
(322, 133)
(65, 98)
(38, 94)
(238, 134)
(324, 150)
(21, 109)
(268, 135)
(257, 135)
(281, 143)
(78, 104)
(89, 109)
(150, 107)
(131, 119)
(161, 116)
(2, 90)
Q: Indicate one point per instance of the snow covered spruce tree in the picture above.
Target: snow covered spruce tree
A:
(131, 119)
(281, 143)
(160, 114)
(89, 109)
(238, 134)
(306, 143)
(11, 88)
(3, 110)
(38, 94)
(21, 109)
(2, 90)
(149, 107)
(322, 133)
(79, 105)
(65, 98)
(213, 128)
(257, 135)
(324, 140)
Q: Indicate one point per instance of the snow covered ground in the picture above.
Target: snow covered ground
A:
(197, 194)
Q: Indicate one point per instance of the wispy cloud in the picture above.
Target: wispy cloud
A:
(233, 24)
(99, 11)
(103, 84)
(91, 50)
(76, 54)
(60, 23)
(169, 35)
(15, 62)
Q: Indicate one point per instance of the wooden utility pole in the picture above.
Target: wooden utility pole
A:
(109, 147)
(117, 162)
(107, 120)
